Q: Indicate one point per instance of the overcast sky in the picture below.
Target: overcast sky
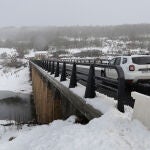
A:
(73, 12)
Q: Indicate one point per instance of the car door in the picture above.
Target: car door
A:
(108, 71)
(114, 73)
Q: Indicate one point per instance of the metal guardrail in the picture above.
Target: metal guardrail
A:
(88, 77)
(86, 61)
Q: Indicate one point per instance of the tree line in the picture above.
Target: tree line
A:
(40, 38)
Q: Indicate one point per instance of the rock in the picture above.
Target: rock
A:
(11, 138)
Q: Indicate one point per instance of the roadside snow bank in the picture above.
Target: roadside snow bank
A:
(16, 80)
(112, 131)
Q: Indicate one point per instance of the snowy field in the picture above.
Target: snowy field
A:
(15, 80)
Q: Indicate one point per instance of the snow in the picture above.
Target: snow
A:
(40, 52)
(15, 80)
(114, 130)
(142, 102)
(101, 102)
(78, 50)
(108, 47)
(31, 54)
(105, 49)
(10, 52)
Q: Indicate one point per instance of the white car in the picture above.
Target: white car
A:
(136, 68)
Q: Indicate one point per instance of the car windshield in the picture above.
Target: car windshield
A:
(141, 60)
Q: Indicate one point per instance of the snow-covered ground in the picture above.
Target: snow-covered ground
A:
(15, 80)
(101, 102)
(112, 131)
(8, 51)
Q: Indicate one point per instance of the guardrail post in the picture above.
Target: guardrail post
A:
(44, 64)
(122, 97)
(90, 86)
(121, 94)
(36, 62)
(49, 66)
(63, 74)
(73, 80)
(52, 69)
(40, 61)
(57, 70)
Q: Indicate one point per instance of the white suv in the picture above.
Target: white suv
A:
(136, 68)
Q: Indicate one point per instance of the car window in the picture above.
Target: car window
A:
(141, 60)
(117, 61)
(124, 61)
(111, 62)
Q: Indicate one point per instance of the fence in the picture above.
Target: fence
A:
(89, 77)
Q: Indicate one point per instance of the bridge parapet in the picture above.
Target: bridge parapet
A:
(54, 100)
(87, 77)
(84, 74)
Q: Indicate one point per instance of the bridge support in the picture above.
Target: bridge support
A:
(46, 98)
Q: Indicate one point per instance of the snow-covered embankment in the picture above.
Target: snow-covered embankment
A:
(15, 80)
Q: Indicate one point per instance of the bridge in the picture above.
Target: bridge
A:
(64, 88)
